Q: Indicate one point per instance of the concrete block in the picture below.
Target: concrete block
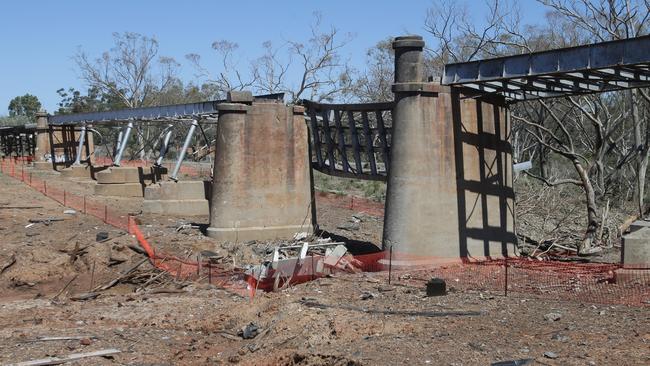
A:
(184, 198)
(115, 174)
(177, 207)
(639, 224)
(77, 171)
(240, 96)
(121, 190)
(42, 165)
(635, 253)
(182, 190)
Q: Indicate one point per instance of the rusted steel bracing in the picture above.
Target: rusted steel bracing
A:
(350, 140)
(18, 140)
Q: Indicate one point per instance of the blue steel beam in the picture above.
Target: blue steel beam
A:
(187, 110)
(606, 66)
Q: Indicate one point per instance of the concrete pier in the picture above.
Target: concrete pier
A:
(261, 188)
(450, 193)
(42, 142)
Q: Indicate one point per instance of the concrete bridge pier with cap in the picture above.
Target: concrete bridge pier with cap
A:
(449, 191)
(42, 142)
(262, 183)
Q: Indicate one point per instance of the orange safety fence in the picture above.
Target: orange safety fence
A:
(584, 282)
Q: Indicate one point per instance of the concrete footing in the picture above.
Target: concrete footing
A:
(635, 253)
(625, 276)
(185, 198)
(77, 171)
(261, 188)
(120, 181)
(42, 165)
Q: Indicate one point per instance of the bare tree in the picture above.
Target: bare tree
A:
(313, 68)
(602, 20)
(131, 72)
(229, 76)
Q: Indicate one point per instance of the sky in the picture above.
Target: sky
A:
(39, 39)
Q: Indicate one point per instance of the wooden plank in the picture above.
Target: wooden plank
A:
(68, 358)
(341, 135)
(355, 142)
(328, 140)
(382, 137)
(369, 143)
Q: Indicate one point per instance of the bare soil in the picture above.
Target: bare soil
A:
(347, 319)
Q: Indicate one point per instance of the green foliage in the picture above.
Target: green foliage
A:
(14, 120)
(25, 105)
(72, 101)
(356, 187)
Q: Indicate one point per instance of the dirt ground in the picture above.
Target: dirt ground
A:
(351, 319)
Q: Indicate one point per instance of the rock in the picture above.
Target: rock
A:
(101, 236)
(249, 331)
(559, 337)
(86, 341)
(349, 226)
(367, 296)
(551, 355)
(70, 212)
(553, 317)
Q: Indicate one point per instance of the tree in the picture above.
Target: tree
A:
(313, 68)
(72, 101)
(26, 105)
(131, 73)
(596, 143)
(375, 82)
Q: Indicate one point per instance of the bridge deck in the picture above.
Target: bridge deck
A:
(594, 68)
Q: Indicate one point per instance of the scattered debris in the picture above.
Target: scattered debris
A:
(68, 358)
(527, 361)
(65, 338)
(46, 221)
(551, 355)
(84, 296)
(70, 212)
(367, 296)
(431, 314)
(553, 317)
(19, 207)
